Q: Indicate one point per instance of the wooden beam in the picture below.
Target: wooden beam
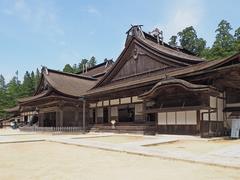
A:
(172, 109)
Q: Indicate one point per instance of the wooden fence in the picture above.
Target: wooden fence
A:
(51, 129)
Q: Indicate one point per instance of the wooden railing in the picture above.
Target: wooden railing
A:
(51, 129)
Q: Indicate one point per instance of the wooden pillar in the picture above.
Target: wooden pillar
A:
(84, 117)
(61, 117)
(40, 119)
(198, 121)
(76, 123)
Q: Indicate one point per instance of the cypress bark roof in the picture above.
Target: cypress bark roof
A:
(69, 84)
(64, 84)
(183, 57)
(31, 98)
(199, 68)
(163, 84)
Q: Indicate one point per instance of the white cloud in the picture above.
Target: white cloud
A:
(182, 14)
(39, 16)
(90, 10)
(93, 10)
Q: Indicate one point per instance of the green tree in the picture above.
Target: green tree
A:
(68, 68)
(223, 45)
(81, 64)
(3, 100)
(237, 34)
(200, 46)
(188, 40)
(2, 82)
(173, 41)
(37, 78)
(28, 85)
(92, 62)
(13, 92)
(237, 40)
(75, 68)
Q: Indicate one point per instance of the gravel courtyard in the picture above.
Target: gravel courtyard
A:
(52, 160)
(45, 160)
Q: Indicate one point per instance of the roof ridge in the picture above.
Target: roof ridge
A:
(188, 56)
(98, 65)
(45, 69)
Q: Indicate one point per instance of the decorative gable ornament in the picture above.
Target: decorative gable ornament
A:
(135, 54)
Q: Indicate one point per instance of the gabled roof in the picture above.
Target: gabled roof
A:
(174, 53)
(169, 54)
(69, 84)
(12, 110)
(31, 98)
(65, 84)
(201, 68)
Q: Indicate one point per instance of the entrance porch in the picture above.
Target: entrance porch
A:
(185, 108)
(56, 112)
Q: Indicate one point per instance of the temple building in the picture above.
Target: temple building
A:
(151, 88)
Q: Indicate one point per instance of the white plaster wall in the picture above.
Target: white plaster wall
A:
(114, 101)
(191, 117)
(171, 118)
(125, 100)
(162, 118)
(213, 102)
(106, 103)
(181, 117)
(136, 99)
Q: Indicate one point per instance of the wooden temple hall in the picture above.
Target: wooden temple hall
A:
(151, 88)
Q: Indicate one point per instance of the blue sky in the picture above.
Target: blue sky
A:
(56, 32)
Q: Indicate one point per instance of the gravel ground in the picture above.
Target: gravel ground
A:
(49, 160)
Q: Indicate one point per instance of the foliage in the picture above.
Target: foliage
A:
(68, 68)
(173, 41)
(225, 44)
(85, 63)
(10, 92)
(189, 41)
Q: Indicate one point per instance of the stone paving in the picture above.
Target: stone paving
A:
(228, 156)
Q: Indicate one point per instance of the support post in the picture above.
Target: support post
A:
(61, 117)
(84, 118)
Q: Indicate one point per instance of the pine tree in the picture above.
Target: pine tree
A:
(13, 92)
(2, 82)
(92, 62)
(237, 34)
(37, 78)
(237, 40)
(28, 85)
(189, 41)
(173, 41)
(75, 68)
(223, 45)
(3, 100)
(81, 64)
